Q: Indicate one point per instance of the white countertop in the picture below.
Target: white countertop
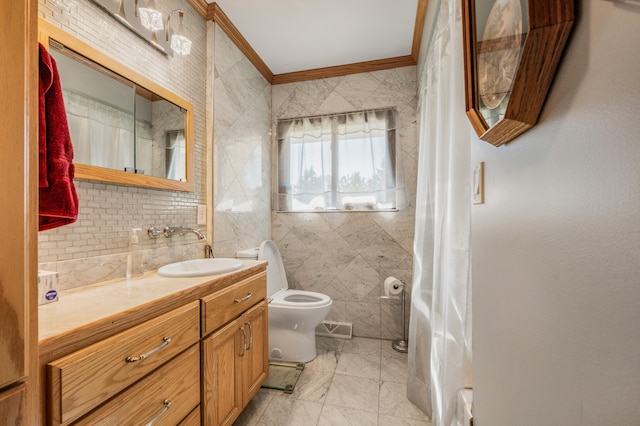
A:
(84, 305)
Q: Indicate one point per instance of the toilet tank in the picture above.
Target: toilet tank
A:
(251, 253)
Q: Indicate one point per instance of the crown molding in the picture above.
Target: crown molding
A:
(421, 15)
(340, 70)
(227, 26)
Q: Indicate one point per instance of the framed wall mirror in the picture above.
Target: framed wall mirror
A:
(511, 51)
(125, 128)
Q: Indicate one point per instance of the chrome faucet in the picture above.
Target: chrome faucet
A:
(170, 231)
(154, 232)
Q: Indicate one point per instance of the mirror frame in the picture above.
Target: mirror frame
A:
(550, 23)
(47, 32)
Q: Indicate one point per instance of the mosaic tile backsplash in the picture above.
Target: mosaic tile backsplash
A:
(94, 248)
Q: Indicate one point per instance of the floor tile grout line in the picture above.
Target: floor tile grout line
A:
(362, 349)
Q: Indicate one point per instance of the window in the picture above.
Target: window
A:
(338, 162)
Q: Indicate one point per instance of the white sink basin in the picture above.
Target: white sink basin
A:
(200, 267)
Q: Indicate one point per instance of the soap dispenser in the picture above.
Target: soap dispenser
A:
(134, 258)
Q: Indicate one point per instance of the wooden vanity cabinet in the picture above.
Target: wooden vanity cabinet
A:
(19, 215)
(192, 419)
(221, 393)
(255, 361)
(235, 356)
(87, 378)
(165, 397)
(12, 405)
(199, 360)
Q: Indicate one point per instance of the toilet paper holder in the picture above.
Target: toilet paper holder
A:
(393, 286)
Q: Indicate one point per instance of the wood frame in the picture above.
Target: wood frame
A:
(19, 377)
(213, 12)
(550, 23)
(48, 31)
(340, 70)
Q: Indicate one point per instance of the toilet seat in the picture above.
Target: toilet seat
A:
(277, 286)
(288, 298)
(293, 314)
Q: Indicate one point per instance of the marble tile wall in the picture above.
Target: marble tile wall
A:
(242, 147)
(94, 248)
(349, 255)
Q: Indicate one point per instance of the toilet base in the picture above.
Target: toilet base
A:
(292, 346)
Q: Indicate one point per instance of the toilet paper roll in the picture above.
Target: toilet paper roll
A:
(393, 286)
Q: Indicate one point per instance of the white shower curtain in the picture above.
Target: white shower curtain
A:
(439, 330)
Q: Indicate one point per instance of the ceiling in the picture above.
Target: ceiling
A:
(300, 35)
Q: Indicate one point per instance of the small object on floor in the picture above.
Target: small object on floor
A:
(283, 375)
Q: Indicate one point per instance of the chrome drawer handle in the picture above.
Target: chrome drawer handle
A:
(165, 342)
(244, 342)
(247, 297)
(248, 324)
(167, 405)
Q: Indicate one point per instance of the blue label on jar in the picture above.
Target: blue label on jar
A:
(51, 295)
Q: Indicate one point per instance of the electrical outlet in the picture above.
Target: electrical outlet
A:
(202, 214)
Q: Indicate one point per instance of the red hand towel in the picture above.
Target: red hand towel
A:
(58, 196)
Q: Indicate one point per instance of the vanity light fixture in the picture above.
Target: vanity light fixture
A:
(150, 16)
(180, 44)
(121, 13)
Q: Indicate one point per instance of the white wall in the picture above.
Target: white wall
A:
(556, 247)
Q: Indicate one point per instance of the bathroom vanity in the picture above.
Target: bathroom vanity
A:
(184, 351)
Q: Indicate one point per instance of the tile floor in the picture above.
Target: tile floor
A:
(351, 382)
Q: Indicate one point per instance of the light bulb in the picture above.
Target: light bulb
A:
(151, 17)
(180, 44)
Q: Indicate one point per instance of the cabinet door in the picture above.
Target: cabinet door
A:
(255, 362)
(12, 406)
(222, 394)
(18, 189)
(192, 419)
(19, 214)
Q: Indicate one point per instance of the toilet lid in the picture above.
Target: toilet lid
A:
(276, 277)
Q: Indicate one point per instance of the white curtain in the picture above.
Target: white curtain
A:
(338, 162)
(144, 159)
(176, 152)
(102, 135)
(439, 330)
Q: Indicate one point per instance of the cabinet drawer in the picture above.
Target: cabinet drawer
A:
(224, 305)
(86, 378)
(167, 396)
(192, 419)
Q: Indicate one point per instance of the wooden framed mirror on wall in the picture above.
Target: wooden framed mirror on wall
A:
(125, 128)
(511, 51)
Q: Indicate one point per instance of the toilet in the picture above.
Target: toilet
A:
(293, 314)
